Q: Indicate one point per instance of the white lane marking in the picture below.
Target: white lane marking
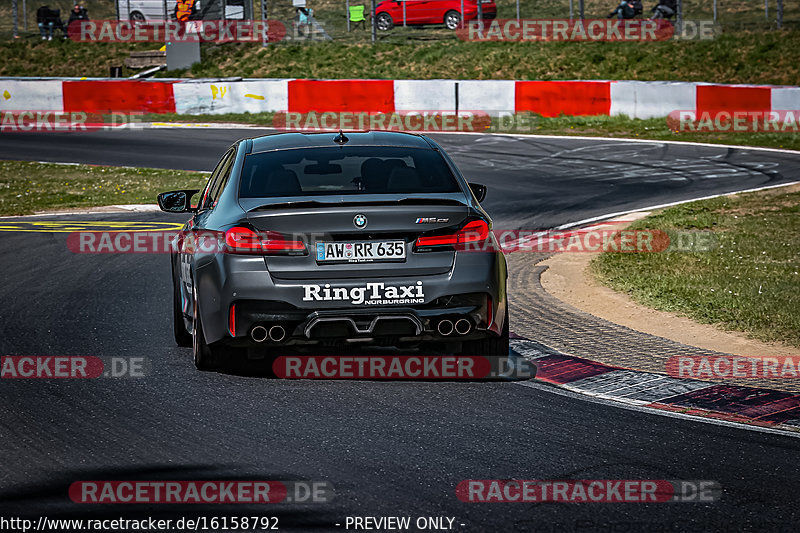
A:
(621, 139)
(650, 410)
(670, 204)
(209, 125)
(227, 126)
(528, 240)
(138, 207)
(70, 163)
(647, 141)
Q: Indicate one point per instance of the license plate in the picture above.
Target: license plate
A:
(362, 251)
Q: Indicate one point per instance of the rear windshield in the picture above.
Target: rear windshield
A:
(345, 170)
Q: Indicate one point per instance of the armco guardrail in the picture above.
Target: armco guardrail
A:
(635, 99)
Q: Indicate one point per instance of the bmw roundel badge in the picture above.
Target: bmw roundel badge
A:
(360, 221)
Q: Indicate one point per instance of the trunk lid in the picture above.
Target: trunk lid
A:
(335, 222)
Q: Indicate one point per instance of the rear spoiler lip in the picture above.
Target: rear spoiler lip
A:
(316, 203)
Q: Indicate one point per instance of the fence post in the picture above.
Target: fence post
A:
(580, 7)
(462, 13)
(264, 28)
(570, 11)
(404, 13)
(372, 18)
(679, 18)
(14, 9)
(518, 9)
(779, 18)
(25, 13)
(715, 10)
(347, 7)
(766, 10)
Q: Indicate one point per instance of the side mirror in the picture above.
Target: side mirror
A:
(478, 190)
(177, 201)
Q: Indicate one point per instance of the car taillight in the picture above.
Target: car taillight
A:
(474, 232)
(240, 240)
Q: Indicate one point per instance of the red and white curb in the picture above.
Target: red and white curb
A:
(693, 398)
(636, 99)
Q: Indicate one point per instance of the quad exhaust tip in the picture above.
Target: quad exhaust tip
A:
(463, 326)
(445, 327)
(277, 333)
(259, 334)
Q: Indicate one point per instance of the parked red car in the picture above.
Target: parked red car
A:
(448, 12)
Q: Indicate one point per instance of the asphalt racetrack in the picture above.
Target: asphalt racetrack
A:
(389, 448)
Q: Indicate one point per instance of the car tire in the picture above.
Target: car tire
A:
(137, 18)
(182, 336)
(490, 346)
(204, 356)
(384, 22)
(452, 20)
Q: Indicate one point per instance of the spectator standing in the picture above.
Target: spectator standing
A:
(184, 9)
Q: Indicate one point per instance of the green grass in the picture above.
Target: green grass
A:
(755, 57)
(599, 126)
(749, 283)
(28, 187)
(32, 57)
(737, 57)
(747, 51)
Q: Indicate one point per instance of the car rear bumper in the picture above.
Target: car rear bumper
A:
(237, 294)
(258, 323)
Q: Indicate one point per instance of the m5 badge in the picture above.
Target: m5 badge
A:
(432, 220)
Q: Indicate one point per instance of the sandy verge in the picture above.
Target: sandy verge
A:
(569, 280)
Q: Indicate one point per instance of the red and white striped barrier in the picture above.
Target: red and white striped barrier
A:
(636, 99)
